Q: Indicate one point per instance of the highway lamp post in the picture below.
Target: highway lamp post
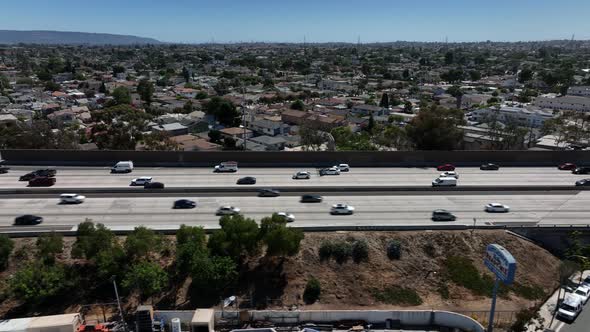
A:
(113, 278)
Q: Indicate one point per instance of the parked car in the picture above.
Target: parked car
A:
(71, 198)
(583, 292)
(581, 170)
(141, 181)
(342, 209)
(184, 204)
(287, 217)
(41, 182)
(586, 282)
(310, 198)
(302, 175)
(27, 219)
(443, 215)
(38, 173)
(247, 180)
(449, 174)
(497, 207)
(567, 167)
(570, 308)
(227, 210)
(268, 193)
(153, 185)
(583, 183)
(342, 167)
(489, 167)
(330, 171)
(4, 169)
(445, 167)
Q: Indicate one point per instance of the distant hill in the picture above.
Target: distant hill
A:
(62, 37)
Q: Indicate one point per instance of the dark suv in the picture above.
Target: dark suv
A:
(28, 219)
(443, 215)
(581, 170)
(489, 167)
(4, 169)
(38, 173)
(42, 182)
(247, 180)
(310, 198)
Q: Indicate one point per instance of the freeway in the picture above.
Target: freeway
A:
(99, 177)
(371, 210)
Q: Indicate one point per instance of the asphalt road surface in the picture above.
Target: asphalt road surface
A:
(581, 324)
(379, 210)
(99, 177)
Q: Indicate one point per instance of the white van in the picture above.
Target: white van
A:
(71, 198)
(571, 307)
(444, 182)
(122, 167)
(226, 166)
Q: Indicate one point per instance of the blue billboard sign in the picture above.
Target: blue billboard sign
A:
(501, 263)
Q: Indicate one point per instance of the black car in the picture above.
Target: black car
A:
(38, 173)
(41, 181)
(4, 169)
(583, 182)
(489, 167)
(28, 219)
(269, 193)
(581, 170)
(247, 180)
(184, 204)
(311, 198)
(443, 215)
(154, 185)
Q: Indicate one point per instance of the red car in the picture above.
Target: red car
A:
(42, 182)
(445, 168)
(566, 167)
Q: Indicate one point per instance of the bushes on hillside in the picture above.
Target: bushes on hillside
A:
(312, 291)
(394, 250)
(6, 247)
(37, 282)
(342, 251)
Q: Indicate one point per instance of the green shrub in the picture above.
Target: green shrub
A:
(398, 295)
(443, 290)
(360, 251)
(341, 252)
(462, 272)
(325, 250)
(394, 250)
(36, 282)
(312, 291)
(6, 246)
(533, 292)
(149, 278)
(523, 317)
(50, 245)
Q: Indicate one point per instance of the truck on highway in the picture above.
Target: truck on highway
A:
(122, 167)
(226, 166)
(444, 182)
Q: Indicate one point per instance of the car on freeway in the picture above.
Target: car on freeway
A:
(581, 170)
(4, 169)
(227, 210)
(443, 215)
(41, 182)
(583, 292)
(311, 198)
(27, 219)
(583, 183)
(247, 180)
(497, 207)
(444, 182)
(38, 173)
(489, 167)
(445, 167)
(287, 217)
(141, 181)
(567, 167)
(302, 175)
(342, 209)
(330, 171)
(342, 167)
(71, 199)
(153, 185)
(269, 193)
(184, 204)
(449, 174)
(570, 307)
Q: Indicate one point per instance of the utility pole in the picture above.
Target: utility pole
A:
(113, 278)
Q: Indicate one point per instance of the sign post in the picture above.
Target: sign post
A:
(503, 265)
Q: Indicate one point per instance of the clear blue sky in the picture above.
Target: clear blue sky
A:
(317, 20)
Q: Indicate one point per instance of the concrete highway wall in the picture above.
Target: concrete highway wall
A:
(277, 159)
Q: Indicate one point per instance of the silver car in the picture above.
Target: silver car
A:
(227, 210)
(497, 207)
(342, 209)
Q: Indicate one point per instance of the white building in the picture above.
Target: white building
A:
(566, 103)
(582, 91)
(524, 117)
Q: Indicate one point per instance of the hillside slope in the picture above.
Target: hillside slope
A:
(63, 37)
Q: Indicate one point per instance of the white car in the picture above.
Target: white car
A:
(342, 167)
(71, 198)
(288, 217)
(497, 207)
(583, 292)
(301, 175)
(342, 209)
(570, 308)
(141, 181)
(449, 174)
(330, 171)
(227, 210)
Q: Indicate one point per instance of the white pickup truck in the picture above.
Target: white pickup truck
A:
(226, 166)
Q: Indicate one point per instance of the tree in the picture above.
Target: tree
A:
(201, 95)
(141, 242)
(298, 105)
(224, 111)
(145, 88)
(191, 242)
(408, 107)
(186, 74)
(120, 96)
(118, 69)
(44, 75)
(147, 277)
(346, 140)
(110, 261)
(6, 247)
(36, 282)
(238, 236)
(92, 239)
(449, 57)
(4, 83)
(371, 124)
(384, 101)
(159, 141)
(453, 75)
(52, 86)
(436, 128)
(214, 136)
(311, 139)
(229, 143)
(49, 245)
(188, 107)
(525, 75)
(280, 240)
(456, 92)
(312, 291)
(102, 88)
(211, 275)
(474, 75)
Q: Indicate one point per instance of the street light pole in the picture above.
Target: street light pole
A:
(119, 303)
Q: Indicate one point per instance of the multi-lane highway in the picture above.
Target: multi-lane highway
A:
(371, 210)
(97, 177)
